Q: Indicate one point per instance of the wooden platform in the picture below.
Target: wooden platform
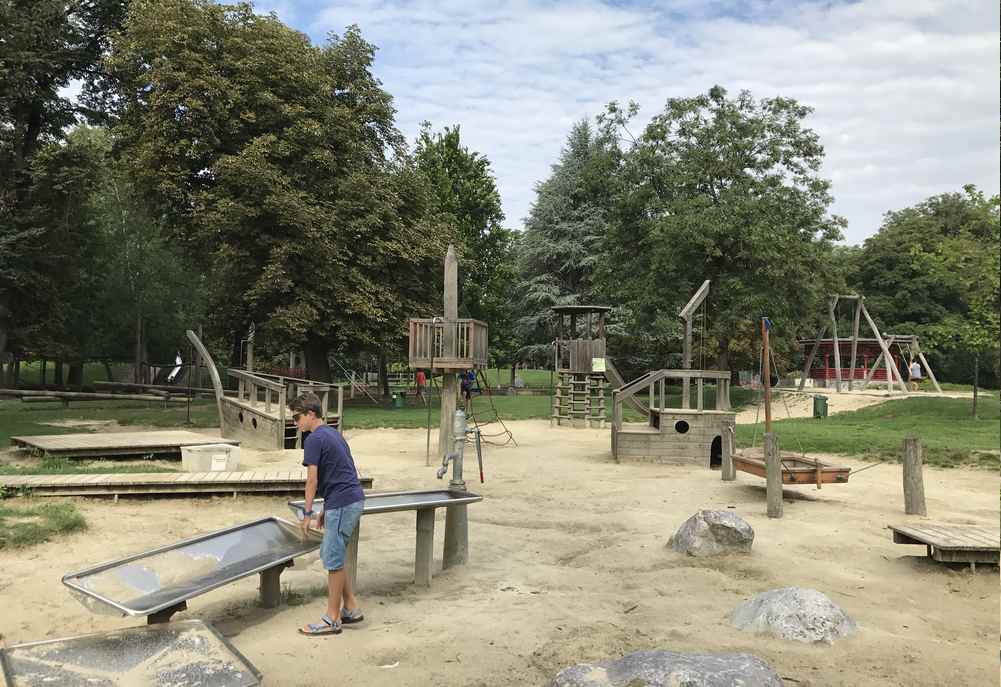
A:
(953, 543)
(250, 482)
(102, 444)
(796, 469)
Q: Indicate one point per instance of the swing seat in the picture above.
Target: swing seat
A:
(795, 469)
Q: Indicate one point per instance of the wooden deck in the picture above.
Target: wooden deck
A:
(796, 469)
(953, 543)
(154, 484)
(102, 444)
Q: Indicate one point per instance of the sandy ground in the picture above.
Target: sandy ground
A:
(568, 563)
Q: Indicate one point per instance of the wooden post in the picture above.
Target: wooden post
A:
(449, 385)
(931, 374)
(891, 368)
(831, 308)
(773, 475)
(424, 554)
(728, 471)
(766, 375)
(855, 326)
(351, 557)
(914, 486)
(809, 359)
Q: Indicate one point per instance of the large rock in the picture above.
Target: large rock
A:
(671, 669)
(713, 532)
(804, 615)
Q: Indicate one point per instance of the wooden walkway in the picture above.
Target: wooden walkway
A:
(155, 484)
(102, 444)
(953, 543)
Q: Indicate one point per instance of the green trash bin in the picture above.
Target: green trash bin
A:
(820, 406)
(399, 401)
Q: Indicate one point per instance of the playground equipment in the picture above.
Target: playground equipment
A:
(580, 364)
(257, 415)
(855, 350)
(448, 345)
(676, 434)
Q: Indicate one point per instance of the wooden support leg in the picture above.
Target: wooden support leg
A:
(424, 554)
(728, 471)
(351, 559)
(271, 586)
(164, 615)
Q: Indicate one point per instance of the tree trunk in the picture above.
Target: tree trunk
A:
(138, 354)
(383, 375)
(16, 377)
(514, 371)
(76, 375)
(723, 354)
(317, 362)
(44, 372)
(976, 381)
(107, 371)
(58, 373)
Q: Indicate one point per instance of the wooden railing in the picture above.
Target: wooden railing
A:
(448, 344)
(655, 383)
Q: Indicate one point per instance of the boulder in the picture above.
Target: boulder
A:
(804, 615)
(659, 668)
(713, 532)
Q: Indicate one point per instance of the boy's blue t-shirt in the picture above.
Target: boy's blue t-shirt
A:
(337, 476)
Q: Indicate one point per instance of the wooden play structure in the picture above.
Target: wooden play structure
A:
(449, 346)
(258, 415)
(893, 351)
(580, 365)
(684, 434)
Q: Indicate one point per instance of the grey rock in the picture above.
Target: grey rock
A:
(803, 615)
(713, 532)
(658, 668)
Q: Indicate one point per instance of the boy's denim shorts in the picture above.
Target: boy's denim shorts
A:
(339, 524)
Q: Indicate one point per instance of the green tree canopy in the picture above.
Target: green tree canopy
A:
(726, 189)
(466, 205)
(934, 270)
(280, 164)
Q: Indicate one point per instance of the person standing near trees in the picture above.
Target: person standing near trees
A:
(331, 474)
(915, 371)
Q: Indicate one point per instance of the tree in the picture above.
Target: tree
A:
(563, 243)
(933, 269)
(280, 165)
(44, 45)
(464, 200)
(727, 190)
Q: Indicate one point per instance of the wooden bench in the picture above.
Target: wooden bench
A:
(953, 543)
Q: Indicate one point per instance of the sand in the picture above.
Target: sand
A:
(568, 563)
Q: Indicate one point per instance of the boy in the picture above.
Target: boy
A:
(331, 474)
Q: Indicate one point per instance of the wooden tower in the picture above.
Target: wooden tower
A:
(579, 394)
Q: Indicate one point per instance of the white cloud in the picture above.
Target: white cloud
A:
(905, 92)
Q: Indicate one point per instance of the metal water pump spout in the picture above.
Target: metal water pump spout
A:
(460, 430)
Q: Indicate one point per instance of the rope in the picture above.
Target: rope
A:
(482, 378)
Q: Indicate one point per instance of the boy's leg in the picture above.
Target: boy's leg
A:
(335, 590)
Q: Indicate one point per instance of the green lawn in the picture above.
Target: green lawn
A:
(22, 526)
(947, 431)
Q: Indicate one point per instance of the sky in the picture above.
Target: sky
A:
(905, 92)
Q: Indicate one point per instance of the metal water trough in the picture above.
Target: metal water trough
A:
(157, 583)
(190, 652)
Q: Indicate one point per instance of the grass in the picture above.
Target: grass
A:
(19, 418)
(63, 466)
(949, 434)
(22, 526)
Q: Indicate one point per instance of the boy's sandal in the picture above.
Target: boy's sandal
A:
(355, 616)
(325, 627)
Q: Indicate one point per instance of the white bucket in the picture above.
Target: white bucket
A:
(210, 458)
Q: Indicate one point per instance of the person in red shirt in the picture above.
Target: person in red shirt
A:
(420, 380)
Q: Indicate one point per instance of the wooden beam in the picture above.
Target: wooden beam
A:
(856, 320)
(813, 353)
(891, 368)
(875, 366)
(832, 310)
(921, 357)
(773, 475)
